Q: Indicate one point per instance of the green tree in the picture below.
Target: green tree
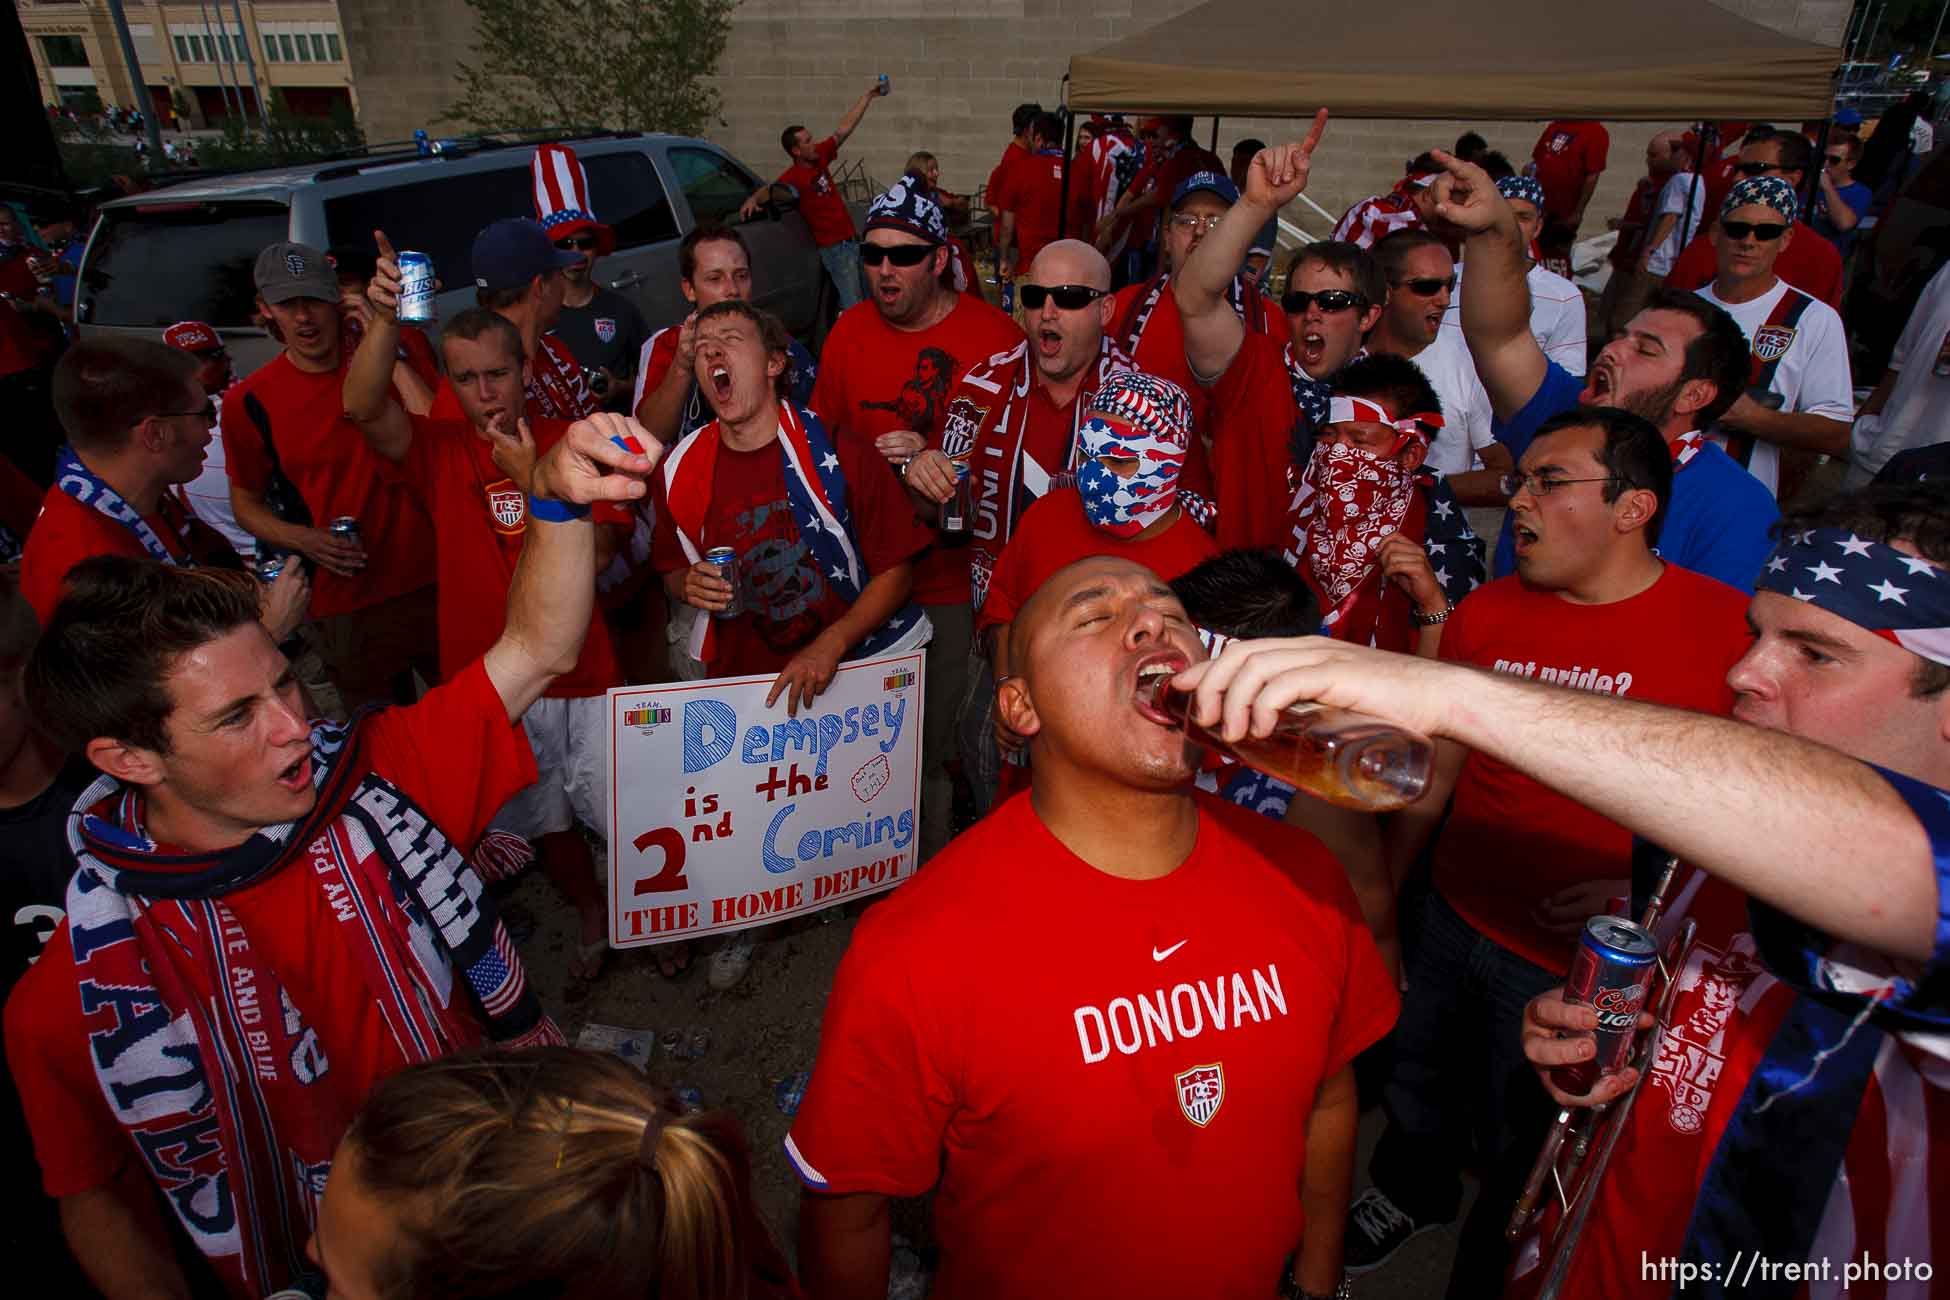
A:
(625, 64)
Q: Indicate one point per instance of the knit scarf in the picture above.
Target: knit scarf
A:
(84, 485)
(815, 491)
(1130, 327)
(200, 1048)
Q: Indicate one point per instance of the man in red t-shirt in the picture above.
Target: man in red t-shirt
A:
(820, 201)
(287, 419)
(1518, 869)
(269, 915)
(1031, 199)
(1017, 149)
(889, 368)
(472, 477)
(1808, 262)
(1170, 160)
(1567, 161)
(1175, 1006)
(518, 272)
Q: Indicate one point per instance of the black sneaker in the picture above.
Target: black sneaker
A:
(1376, 1229)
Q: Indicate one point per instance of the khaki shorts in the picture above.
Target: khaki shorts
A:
(570, 738)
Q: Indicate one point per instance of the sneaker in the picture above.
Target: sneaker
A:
(1376, 1229)
(731, 962)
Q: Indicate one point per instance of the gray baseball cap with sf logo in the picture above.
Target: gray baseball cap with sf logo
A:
(287, 271)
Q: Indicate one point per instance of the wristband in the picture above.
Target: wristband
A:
(551, 511)
(1420, 619)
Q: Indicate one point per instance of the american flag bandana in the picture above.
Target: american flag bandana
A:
(1342, 409)
(1899, 597)
(1763, 191)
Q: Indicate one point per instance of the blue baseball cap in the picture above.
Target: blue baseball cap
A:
(1210, 182)
(1847, 117)
(514, 250)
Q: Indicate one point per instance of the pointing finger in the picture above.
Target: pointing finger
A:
(385, 245)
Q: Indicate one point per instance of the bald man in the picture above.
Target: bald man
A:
(1667, 154)
(1176, 1007)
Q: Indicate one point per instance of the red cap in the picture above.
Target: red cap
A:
(192, 336)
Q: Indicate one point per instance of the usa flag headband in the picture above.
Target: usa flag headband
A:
(1878, 588)
(1341, 409)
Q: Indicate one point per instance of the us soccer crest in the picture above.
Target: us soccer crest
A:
(606, 329)
(1771, 342)
(1201, 1091)
(958, 430)
(505, 503)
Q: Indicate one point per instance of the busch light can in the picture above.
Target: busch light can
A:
(725, 560)
(345, 528)
(1610, 972)
(416, 288)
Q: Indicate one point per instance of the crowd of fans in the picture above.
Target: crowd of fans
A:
(293, 663)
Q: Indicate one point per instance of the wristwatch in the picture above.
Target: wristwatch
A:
(1291, 1290)
(1420, 619)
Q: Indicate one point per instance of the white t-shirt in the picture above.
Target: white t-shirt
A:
(1673, 199)
(208, 495)
(1918, 411)
(1556, 317)
(1813, 377)
(1446, 364)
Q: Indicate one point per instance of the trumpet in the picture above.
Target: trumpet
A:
(1578, 1147)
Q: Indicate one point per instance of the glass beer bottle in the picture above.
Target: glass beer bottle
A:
(1346, 758)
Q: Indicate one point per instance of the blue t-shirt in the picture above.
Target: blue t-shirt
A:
(1857, 196)
(1717, 522)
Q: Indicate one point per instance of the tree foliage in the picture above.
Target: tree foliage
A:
(625, 64)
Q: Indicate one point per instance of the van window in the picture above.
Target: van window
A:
(438, 216)
(629, 198)
(716, 186)
(156, 264)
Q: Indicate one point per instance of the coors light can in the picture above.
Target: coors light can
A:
(1610, 972)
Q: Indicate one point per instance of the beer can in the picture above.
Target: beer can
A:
(958, 511)
(416, 288)
(788, 1092)
(725, 560)
(270, 564)
(345, 527)
(689, 1096)
(672, 1042)
(697, 1043)
(1610, 972)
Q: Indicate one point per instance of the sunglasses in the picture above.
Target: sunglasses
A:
(1835, 158)
(1764, 231)
(576, 243)
(206, 412)
(1331, 300)
(898, 254)
(1426, 286)
(1760, 168)
(1069, 297)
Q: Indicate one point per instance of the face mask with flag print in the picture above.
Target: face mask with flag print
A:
(1125, 507)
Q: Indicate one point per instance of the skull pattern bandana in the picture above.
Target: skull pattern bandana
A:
(1153, 427)
(1359, 499)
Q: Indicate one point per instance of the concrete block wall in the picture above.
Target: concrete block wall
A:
(958, 68)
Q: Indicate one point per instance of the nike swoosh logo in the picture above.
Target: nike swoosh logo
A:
(1159, 954)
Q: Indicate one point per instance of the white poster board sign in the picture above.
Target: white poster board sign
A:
(726, 814)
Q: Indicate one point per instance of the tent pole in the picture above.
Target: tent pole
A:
(1069, 152)
(1813, 178)
(1214, 146)
(1709, 134)
(1929, 59)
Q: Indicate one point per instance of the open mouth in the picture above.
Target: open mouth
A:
(721, 382)
(297, 776)
(1049, 342)
(1147, 681)
(1524, 537)
(1598, 385)
(1313, 348)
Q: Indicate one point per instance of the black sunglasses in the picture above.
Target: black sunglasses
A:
(1765, 231)
(206, 412)
(1069, 297)
(1834, 158)
(1426, 286)
(898, 254)
(579, 243)
(1761, 168)
(1296, 301)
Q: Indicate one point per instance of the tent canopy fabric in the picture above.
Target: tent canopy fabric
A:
(1508, 60)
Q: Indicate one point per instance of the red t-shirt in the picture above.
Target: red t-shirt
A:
(1565, 154)
(1253, 418)
(1159, 348)
(480, 520)
(819, 200)
(1033, 190)
(327, 459)
(1054, 533)
(1165, 174)
(788, 600)
(1809, 263)
(288, 918)
(998, 183)
(1510, 843)
(1113, 1089)
(552, 389)
(874, 379)
(68, 532)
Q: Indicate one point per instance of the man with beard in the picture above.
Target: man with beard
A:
(1680, 363)
(602, 329)
(1592, 607)
(890, 364)
(1048, 1116)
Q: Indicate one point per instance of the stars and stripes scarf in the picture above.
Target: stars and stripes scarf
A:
(816, 492)
(202, 1049)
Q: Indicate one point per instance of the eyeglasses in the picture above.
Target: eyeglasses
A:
(1765, 231)
(1069, 297)
(1761, 168)
(576, 243)
(207, 412)
(1426, 286)
(1511, 484)
(1835, 158)
(1331, 300)
(1197, 225)
(898, 254)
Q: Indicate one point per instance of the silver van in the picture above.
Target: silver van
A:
(185, 252)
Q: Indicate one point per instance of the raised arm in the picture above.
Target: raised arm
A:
(1495, 293)
(1838, 848)
(853, 115)
(554, 586)
(1213, 331)
(368, 393)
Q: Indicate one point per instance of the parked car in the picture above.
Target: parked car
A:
(185, 252)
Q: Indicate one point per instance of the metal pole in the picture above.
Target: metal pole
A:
(1868, 54)
(143, 102)
(1857, 18)
(216, 57)
(1929, 57)
(1069, 152)
(1214, 146)
(250, 65)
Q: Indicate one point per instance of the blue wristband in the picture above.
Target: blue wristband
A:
(551, 511)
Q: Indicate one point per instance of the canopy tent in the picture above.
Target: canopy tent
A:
(1509, 60)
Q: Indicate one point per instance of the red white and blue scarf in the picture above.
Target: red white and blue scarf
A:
(203, 1054)
(84, 485)
(815, 490)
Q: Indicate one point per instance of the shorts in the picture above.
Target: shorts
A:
(570, 738)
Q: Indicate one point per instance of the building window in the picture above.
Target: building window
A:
(284, 47)
(332, 44)
(64, 51)
(318, 48)
(182, 48)
(270, 47)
